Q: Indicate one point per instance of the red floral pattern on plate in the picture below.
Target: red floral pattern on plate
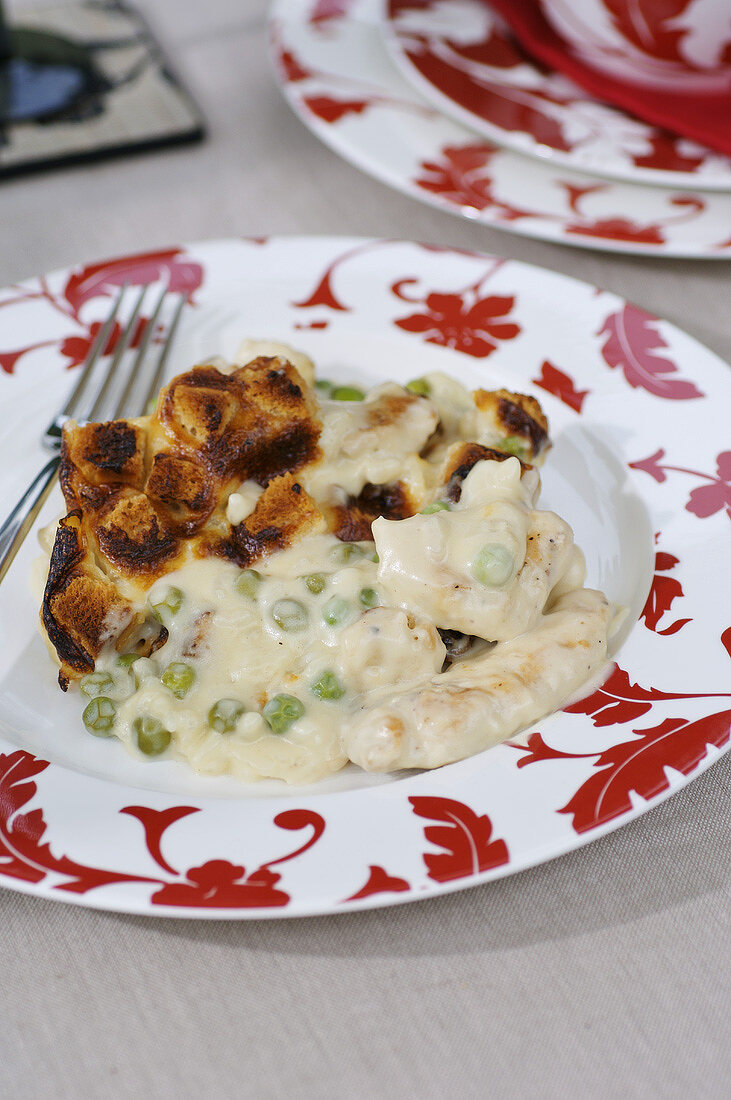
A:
(183, 276)
(23, 854)
(468, 64)
(638, 766)
(704, 501)
(76, 348)
(217, 883)
(101, 280)
(465, 836)
(379, 882)
(440, 161)
(618, 700)
(466, 320)
(649, 26)
(459, 178)
(561, 385)
(632, 342)
(663, 592)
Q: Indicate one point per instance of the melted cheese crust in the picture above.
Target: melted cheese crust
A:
(457, 619)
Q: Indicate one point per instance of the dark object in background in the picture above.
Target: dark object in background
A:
(86, 81)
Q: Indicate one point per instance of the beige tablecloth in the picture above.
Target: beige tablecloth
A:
(604, 973)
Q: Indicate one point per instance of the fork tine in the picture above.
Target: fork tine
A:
(154, 385)
(97, 409)
(95, 351)
(123, 402)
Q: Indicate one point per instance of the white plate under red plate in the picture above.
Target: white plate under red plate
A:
(337, 76)
(640, 466)
(462, 58)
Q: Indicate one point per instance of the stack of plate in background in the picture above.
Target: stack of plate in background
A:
(437, 99)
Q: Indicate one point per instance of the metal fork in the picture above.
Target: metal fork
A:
(98, 405)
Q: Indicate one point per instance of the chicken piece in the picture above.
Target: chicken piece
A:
(479, 703)
(452, 401)
(368, 442)
(461, 458)
(386, 645)
(485, 568)
(391, 418)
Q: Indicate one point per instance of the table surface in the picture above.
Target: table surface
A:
(603, 973)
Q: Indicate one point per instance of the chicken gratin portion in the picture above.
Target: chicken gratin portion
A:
(270, 575)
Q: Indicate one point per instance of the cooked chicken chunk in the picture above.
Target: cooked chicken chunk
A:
(486, 567)
(387, 646)
(371, 441)
(476, 704)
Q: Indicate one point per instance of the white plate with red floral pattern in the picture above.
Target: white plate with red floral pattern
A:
(336, 74)
(464, 60)
(638, 466)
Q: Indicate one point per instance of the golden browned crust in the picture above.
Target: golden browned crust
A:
(131, 536)
(181, 490)
(284, 513)
(460, 459)
(81, 609)
(352, 520)
(389, 408)
(107, 454)
(515, 414)
(144, 493)
(256, 423)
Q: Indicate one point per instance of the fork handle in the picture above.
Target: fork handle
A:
(23, 515)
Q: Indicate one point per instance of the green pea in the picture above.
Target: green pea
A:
(224, 715)
(346, 551)
(164, 607)
(347, 393)
(515, 445)
(281, 711)
(290, 615)
(324, 386)
(419, 386)
(435, 506)
(336, 611)
(375, 557)
(99, 715)
(152, 737)
(493, 565)
(248, 583)
(369, 597)
(179, 678)
(126, 660)
(327, 686)
(96, 683)
(315, 582)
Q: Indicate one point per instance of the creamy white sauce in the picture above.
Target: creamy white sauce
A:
(238, 651)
